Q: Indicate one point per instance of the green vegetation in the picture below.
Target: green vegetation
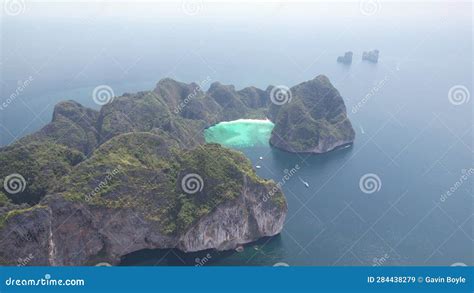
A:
(135, 152)
(315, 117)
(4, 200)
(72, 126)
(143, 171)
(12, 213)
(41, 164)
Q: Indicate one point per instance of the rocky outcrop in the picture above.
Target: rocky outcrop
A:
(121, 200)
(72, 125)
(25, 234)
(246, 219)
(183, 111)
(346, 59)
(315, 121)
(371, 56)
(99, 185)
(66, 232)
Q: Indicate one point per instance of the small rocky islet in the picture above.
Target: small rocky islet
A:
(103, 184)
(346, 58)
(370, 56)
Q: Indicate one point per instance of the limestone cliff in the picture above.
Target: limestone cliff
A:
(96, 185)
(121, 200)
(314, 121)
(62, 232)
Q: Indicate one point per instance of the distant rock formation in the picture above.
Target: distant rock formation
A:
(371, 56)
(346, 59)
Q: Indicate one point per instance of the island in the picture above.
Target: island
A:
(314, 122)
(371, 56)
(92, 186)
(346, 59)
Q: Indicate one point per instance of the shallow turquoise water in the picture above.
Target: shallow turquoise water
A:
(240, 133)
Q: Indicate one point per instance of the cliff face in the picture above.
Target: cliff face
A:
(247, 218)
(96, 185)
(67, 232)
(133, 193)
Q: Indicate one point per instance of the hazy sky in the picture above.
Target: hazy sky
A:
(228, 10)
(68, 44)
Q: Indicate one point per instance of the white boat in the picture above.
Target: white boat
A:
(362, 129)
(261, 158)
(304, 182)
(258, 166)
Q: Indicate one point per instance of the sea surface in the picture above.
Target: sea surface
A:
(383, 201)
